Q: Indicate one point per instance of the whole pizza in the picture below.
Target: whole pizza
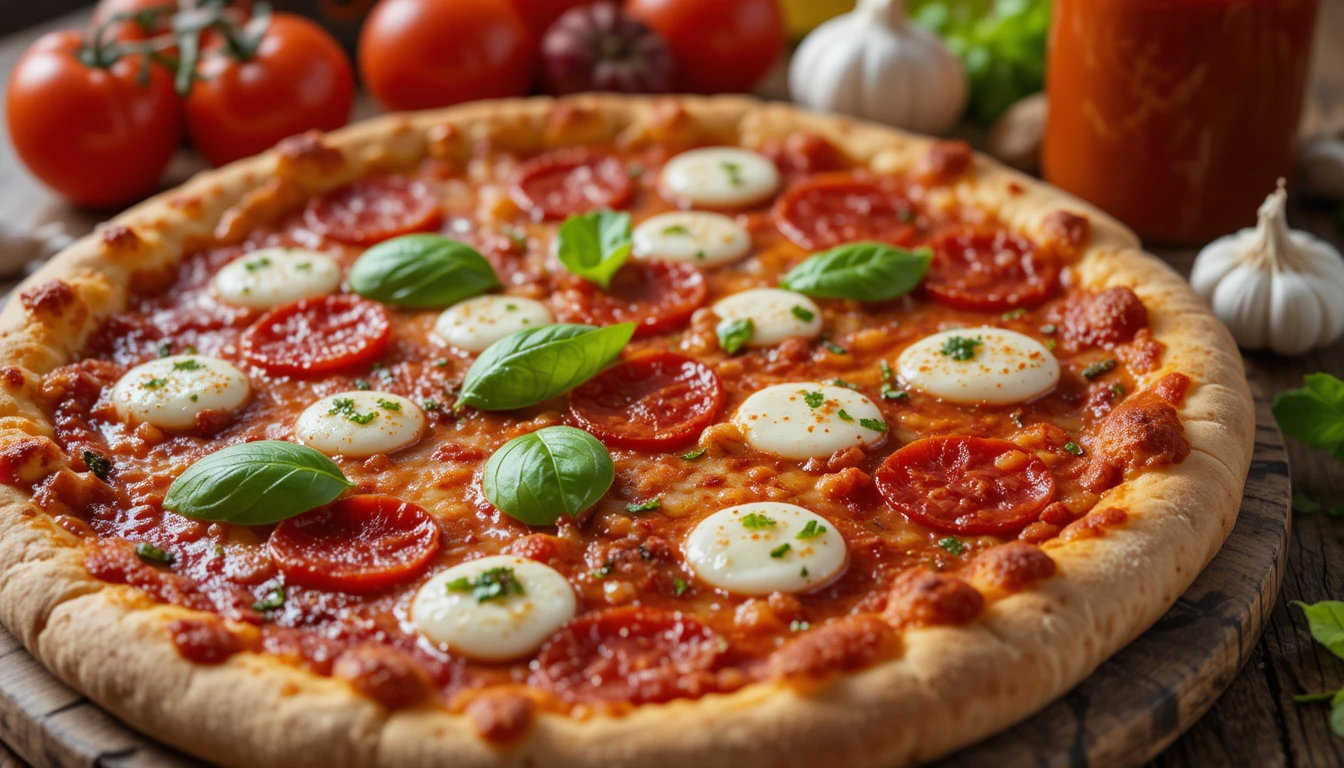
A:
(605, 432)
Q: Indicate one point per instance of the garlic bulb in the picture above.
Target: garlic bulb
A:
(1274, 287)
(872, 63)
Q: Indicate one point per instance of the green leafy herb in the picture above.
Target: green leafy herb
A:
(844, 416)
(155, 384)
(845, 384)
(676, 229)
(422, 272)
(679, 587)
(539, 476)
(494, 584)
(431, 405)
(1074, 448)
(1014, 314)
(644, 506)
(256, 483)
(812, 530)
(152, 554)
(803, 313)
(595, 245)
(887, 373)
(389, 405)
(1118, 389)
(755, 521)
(1099, 368)
(734, 171)
(275, 598)
(1049, 329)
(100, 466)
(859, 271)
(304, 266)
(1315, 413)
(781, 550)
(961, 348)
(693, 455)
(537, 364)
(344, 406)
(814, 399)
(253, 266)
(1050, 344)
(734, 333)
(952, 545)
(1304, 504)
(362, 385)
(165, 348)
(442, 362)
(876, 425)
(833, 348)
(1326, 622)
(190, 364)
(891, 393)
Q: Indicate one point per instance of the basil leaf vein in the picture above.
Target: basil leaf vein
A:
(256, 483)
(539, 476)
(859, 271)
(422, 272)
(536, 364)
(595, 245)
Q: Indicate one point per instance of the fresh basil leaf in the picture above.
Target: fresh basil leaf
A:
(859, 271)
(1315, 413)
(555, 470)
(422, 272)
(595, 245)
(1337, 713)
(256, 483)
(1326, 620)
(734, 333)
(537, 364)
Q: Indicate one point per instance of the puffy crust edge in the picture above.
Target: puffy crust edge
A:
(949, 687)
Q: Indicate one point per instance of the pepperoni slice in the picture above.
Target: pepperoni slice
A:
(630, 654)
(834, 208)
(373, 210)
(967, 485)
(656, 296)
(655, 402)
(568, 181)
(359, 544)
(989, 270)
(312, 337)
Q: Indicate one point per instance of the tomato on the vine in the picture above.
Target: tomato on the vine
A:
(152, 18)
(719, 45)
(252, 93)
(417, 54)
(97, 127)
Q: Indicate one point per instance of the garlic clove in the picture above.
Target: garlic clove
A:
(1295, 324)
(1243, 298)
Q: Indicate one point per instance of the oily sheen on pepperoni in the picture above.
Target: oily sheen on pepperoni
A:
(312, 337)
(967, 485)
(835, 208)
(369, 211)
(657, 296)
(655, 402)
(630, 654)
(359, 544)
(989, 270)
(569, 181)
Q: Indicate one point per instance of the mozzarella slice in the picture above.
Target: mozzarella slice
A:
(1005, 367)
(720, 177)
(756, 549)
(477, 323)
(495, 608)
(170, 391)
(809, 420)
(360, 423)
(696, 237)
(775, 314)
(274, 276)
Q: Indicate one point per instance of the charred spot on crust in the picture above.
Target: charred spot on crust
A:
(920, 598)
(204, 639)
(383, 674)
(50, 299)
(944, 162)
(305, 156)
(1013, 566)
(120, 240)
(28, 459)
(1066, 230)
(502, 718)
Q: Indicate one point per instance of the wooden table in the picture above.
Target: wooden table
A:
(1256, 722)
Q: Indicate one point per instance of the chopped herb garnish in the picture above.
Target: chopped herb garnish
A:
(1016, 418)
(389, 405)
(814, 399)
(812, 530)
(676, 229)
(844, 416)
(734, 333)
(431, 405)
(781, 550)
(154, 383)
(442, 362)
(700, 255)
(510, 307)
(803, 313)
(754, 521)
(1049, 329)
(891, 393)
(644, 506)
(803, 572)
(362, 385)
(833, 348)
(190, 364)
(344, 406)
(219, 550)
(876, 425)
(1098, 368)
(494, 584)
(165, 348)
(150, 553)
(363, 418)
(961, 348)
(605, 570)
(304, 266)
(275, 598)
(734, 171)
(679, 587)
(1074, 448)
(845, 384)
(1118, 389)
(100, 466)
(1014, 314)
(887, 374)
(693, 455)
(952, 544)
(1050, 344)
(194, 397)
(253, 266)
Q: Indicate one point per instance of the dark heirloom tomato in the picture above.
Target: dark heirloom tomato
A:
(654, 402)
(359, 544)
(569, 181)
(639, 655)
(989, 271)
(969, 485)
(834, 208)
(369, 211)
(655, 295)
(312, 337)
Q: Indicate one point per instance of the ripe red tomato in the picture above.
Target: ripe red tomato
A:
(417, 54)
(719, 45)
(297, 79)
(97, 135)
(158, 18)
(539, 15)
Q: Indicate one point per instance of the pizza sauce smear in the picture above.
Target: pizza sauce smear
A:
(938, 502)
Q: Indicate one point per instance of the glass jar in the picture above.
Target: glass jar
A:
(1175, 116)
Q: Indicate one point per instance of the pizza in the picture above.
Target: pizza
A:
(602, 432)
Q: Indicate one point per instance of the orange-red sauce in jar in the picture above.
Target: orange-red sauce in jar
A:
(1176, 116)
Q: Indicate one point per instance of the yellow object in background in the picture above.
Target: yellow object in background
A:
(803, 16)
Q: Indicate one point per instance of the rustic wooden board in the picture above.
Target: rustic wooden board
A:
(1131, 709)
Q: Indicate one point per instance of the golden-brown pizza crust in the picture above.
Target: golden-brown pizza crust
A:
(948, 687)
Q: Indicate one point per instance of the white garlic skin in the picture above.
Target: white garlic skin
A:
(872, 63)
(1273, 287)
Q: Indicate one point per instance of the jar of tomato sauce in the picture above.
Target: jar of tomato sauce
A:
(1175, 116)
